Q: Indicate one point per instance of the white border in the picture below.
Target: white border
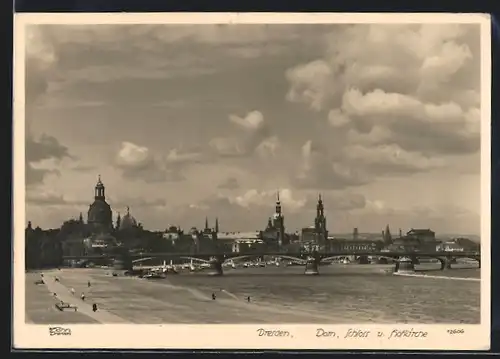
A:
(243, 336)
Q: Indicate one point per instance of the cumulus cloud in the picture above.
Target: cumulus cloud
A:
(406, 96)
(41, 61)
(320, 171)
(254, 138)
(252, 121)
(254, 197)
(138, 162)
(42, 156)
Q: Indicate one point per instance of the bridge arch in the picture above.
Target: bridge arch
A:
(196, 259)
(142, 259)
(328, 259)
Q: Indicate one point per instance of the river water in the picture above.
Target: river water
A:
(366, 293)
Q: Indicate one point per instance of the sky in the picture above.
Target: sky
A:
(188, 121)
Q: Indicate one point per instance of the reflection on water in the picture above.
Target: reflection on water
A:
(346, 290)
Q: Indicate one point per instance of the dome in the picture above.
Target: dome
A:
(128, 221)
(100, 213)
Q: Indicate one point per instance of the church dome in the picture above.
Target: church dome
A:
(100, 213)
(128, 221)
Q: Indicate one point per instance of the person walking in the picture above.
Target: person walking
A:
(94, 307)
(248, 299)
(73, 291)
(88, 284)
(83, 296)
(213, 296)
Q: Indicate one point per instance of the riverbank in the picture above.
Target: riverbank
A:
(40, 305)
(358, 294)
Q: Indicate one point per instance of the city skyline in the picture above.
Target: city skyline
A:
(192, 121)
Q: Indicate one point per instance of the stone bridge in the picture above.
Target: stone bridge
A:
(404, 261)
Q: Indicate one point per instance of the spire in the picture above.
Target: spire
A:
(80, 219)
(388, 236)
(319, 207)
(278, 203)
(206, 222)
(118, 221)
(217, 225)
(128, 211)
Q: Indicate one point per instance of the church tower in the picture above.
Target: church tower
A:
(279, 220)
(100, 216)
(217, 225)
(320, 221)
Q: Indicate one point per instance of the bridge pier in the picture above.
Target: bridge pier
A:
(363, 260)
(405, 265)
(312, 267)
(446, 263)
(122, 261)
(215, 268)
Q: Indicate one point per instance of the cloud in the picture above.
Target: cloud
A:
(253, 139)
(405, 96)
(177, 157)
(42, 151)
(136, 202)
(41, 64)
(254, 197)
(318, 171)
(230, 183)
(339, 201)
(139, 163)
(252, 121)
(268, 147)
(41, 61)
(43, 198)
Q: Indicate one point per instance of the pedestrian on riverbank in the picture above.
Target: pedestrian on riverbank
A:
(94, 307)
(83, 296)
(213, 296)
(73, 291)
(248, 299)
(88, 284)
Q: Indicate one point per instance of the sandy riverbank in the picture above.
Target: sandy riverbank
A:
(146, 301)
(40, 306)
(359, 294)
